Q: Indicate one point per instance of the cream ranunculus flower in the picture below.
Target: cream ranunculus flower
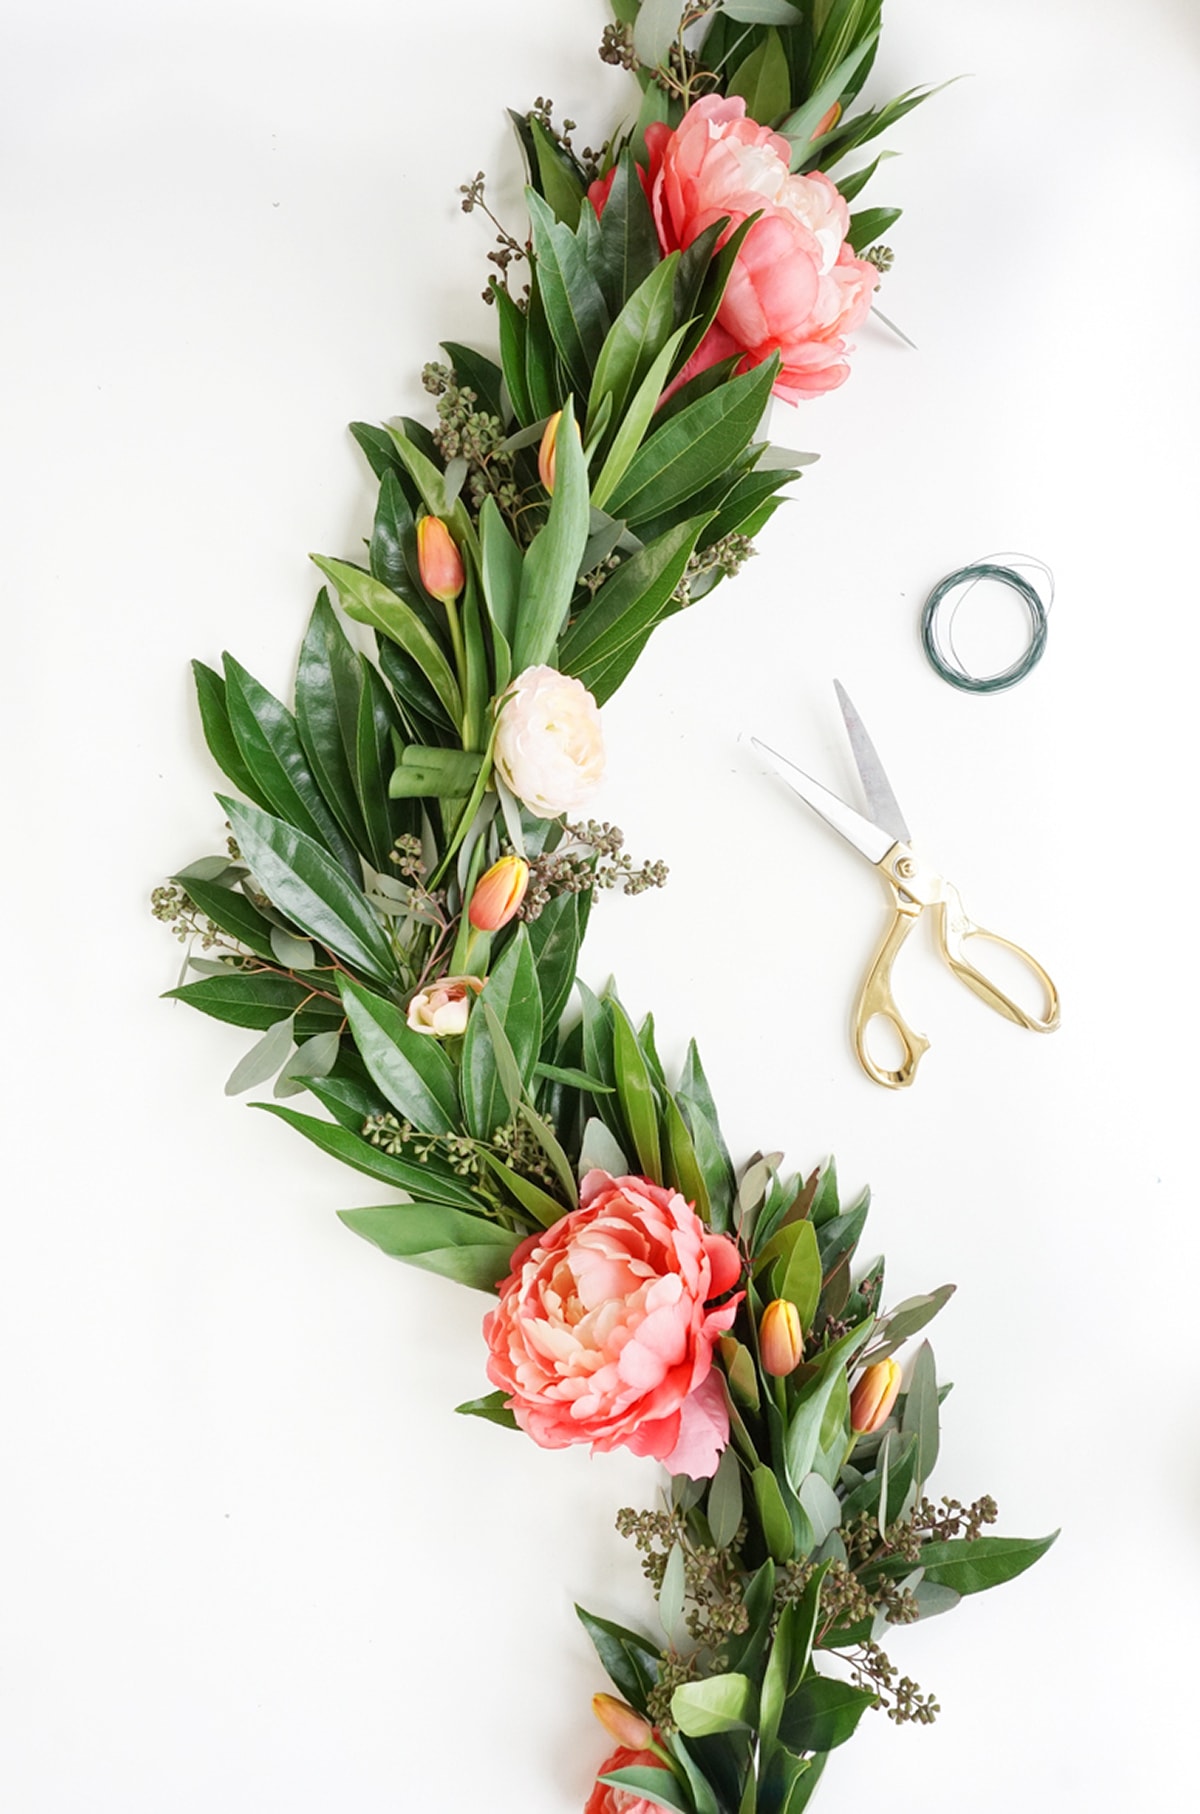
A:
(442, 1009)
(549, 747)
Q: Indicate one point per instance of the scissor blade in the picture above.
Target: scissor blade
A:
(871, 840)
(881, 801)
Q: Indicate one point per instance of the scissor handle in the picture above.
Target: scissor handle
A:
(954, 931)
(875, 1001)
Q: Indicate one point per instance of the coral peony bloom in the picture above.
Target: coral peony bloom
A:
(604, 1799)
(549, 748)
(443, 1007)
(438, 560)
(796, 287)
(603, 1334)
(498, 893)
(873, 1397)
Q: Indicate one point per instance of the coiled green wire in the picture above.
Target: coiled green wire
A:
(944, 657)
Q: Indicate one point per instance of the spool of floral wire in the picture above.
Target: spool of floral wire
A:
(951, 593)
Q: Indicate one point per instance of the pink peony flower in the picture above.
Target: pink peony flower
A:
(604, 1799)
(602, 1333)
(796, 287)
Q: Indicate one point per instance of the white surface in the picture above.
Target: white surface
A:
(253, 1560)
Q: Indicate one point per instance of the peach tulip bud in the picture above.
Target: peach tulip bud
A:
(546, 451)
(626, 1726)
(827, 121)
(442, 1009)
(439, 561)
(873, 1397)
(780, 1338)
(498, 894)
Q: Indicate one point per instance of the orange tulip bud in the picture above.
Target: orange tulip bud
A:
(498, 894)
(626, 1726)
(546, 451)
(827, 121)
(873, 1397)
(780, 1338)
(439, 560)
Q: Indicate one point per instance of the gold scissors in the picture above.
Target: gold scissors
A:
(884, 840)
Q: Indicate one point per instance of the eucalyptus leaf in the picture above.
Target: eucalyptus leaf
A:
(600, 1152)
(655, 30)
(921, 1410)
(724, 1508)
(671, 1597)
(293, 953)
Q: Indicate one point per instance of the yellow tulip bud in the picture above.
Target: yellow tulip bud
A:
(780, 1338)
(498, 894)
(621, 1722)
(546, 451)
(439, 561)
(873, 1397)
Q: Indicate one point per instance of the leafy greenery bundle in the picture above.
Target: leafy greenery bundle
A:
(400, 909)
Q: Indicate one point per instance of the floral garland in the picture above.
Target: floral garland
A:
(401, 908)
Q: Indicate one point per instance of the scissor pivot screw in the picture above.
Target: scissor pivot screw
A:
(906, 867)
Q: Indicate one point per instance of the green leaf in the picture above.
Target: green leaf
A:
(572, 1078)
(544, 377)
(724, 1508)
(683, 1168)
(232, 912)
(799, 127)
(671, 1597)
(218, 733)
(559, 1162)
(972, 1565)
(628, 247)
(635, 1090)
(653, 1785)
(634, 341)
(804, 1428)
(631, 602)
(573, 300)
(328, 687)
(870, 225)
(538, 1203)
(426, 1179)
(492, 1407)
(512, 993)
(306, 885)
(636, 420)
(552, 563)
(501, 560)
(429, 772)
(797, 1268)
(554, 938)
(263, 1059)
(694, 447)
(410, 1068)
(655, 30)
(377, 720)
(632, 1661)
(700, 1112)
(773, 1515)
(480, 374)
(258, 1001)
(764, 78)
(462, 1247)
(921, 1411)
(718, 1703)
(368, 601)
(267, 737)
(557, 177)
(908, 1318)
(822, 1714)
(513, 333)
(315, 1057)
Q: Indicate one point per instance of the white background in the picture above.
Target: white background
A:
(252, 1559)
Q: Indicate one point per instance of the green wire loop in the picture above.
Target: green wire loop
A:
(944, 658)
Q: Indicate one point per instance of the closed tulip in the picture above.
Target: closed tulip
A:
(546, 450)
(780, 1338)
(439, 561)
(620, 1720)
(498, 894)
(873, 1397)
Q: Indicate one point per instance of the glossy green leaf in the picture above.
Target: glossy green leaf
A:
(632, 1661)
(724, 1507)
(652, 1785)
(812, 1400)
(694, 447)
(628, 245)
(635, 1089)
(368, 601)
(559, 1162)
(513, 333)
(424, 1179)
(311, 890)
(410, 1068)
(557, 177)
(822, 1714)
(218, 733)
(551, 565)
(634, 342)
(269, 742)
(544, 375)
(921, 1410)
(492, 1408)
(700, 1112)
(631, 602)
(636, 420)
(684, 1170)
(972, 1565)
(764, 79)
(574, 303)
(800, 126)
(232, 912)
(537, 1202)
(773, 1515)
(377, 721)
(478, 373)
(796, 1268)
(512, 993)
(501, 560)
(554, 938)
(328, 686)
(466, 1248)
(258, 1001)
(716, 1703)
(870, 225)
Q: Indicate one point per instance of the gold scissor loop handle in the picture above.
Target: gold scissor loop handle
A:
(954, 931)
(875, 1001)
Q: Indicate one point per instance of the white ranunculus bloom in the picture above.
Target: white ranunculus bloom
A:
(549, 747)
